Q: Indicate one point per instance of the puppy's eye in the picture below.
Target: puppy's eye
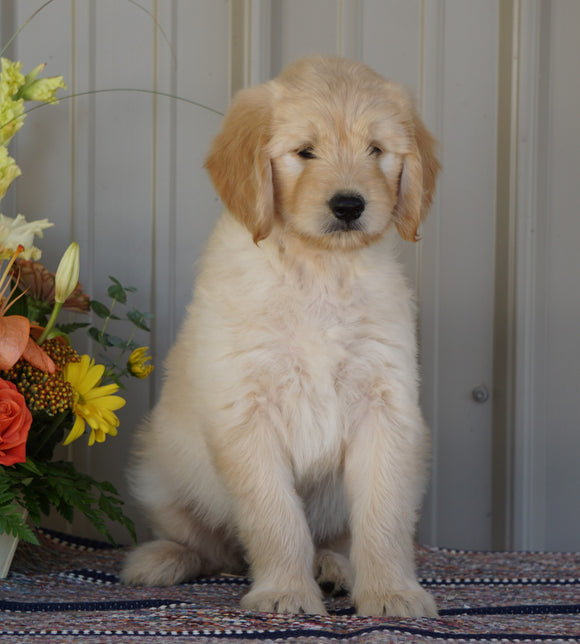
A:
(306, 153)
(375, 151)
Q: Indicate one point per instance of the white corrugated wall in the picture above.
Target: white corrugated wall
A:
(497, 274)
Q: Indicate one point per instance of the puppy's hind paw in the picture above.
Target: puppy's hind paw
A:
(284, 601)
(333, 572)
(404, 603)
(160, 563)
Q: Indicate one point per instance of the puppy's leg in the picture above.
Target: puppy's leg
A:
(270, 519)
(384, 475)
(187, 549)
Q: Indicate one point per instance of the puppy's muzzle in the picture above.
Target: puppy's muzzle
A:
(347, 207)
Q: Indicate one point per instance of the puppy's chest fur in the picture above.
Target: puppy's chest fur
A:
(321, 348)
(321, 351)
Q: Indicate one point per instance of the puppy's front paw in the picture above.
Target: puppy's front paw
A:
(403, 603)
(284, 601)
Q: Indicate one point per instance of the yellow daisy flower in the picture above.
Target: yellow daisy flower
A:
(137, 363)
(92, 404)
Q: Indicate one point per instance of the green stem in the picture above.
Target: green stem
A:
(123, 351)
(114, 372)
(50, 323)
(106, 322)
(111, 90)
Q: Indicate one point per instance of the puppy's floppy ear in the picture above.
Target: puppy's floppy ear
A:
(239, 162)
(417, 183)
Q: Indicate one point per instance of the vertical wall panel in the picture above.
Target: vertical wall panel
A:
(391, 39)
(562, 272)
(465, 288)
(427, 259)
(201, 36)
(163, 276)
(82, 80)
(526, 229)
(123, 124)
(304, 27)
(42, 146)
(186, 206)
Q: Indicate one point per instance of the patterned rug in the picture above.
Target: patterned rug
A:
(67, 590)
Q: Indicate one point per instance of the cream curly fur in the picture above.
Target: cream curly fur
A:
(288, 434)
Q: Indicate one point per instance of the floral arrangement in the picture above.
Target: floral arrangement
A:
(50, 394)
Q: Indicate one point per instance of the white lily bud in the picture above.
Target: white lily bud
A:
(67, 274)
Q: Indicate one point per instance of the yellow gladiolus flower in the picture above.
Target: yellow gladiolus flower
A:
(15, 88)
(41, 89)
(93, 405)
(136, 363)
(11, 119)
(11, 78)
(8, 171)
(11, 106)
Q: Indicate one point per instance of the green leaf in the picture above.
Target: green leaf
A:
(117, 292)
(110, 377)
(12, 522)
(67, 329)
(127, 289)
(31, 467)
(100, 309)
(117, 342)
(139, 319)
(100, 337)
(56, 486)
(7, 497)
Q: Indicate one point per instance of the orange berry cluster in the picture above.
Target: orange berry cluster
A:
(45, 392)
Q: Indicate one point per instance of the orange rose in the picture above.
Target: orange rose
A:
(15, 421)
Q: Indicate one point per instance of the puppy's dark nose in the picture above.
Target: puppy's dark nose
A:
(347, 207)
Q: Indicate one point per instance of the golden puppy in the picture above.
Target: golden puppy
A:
(288, 434)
